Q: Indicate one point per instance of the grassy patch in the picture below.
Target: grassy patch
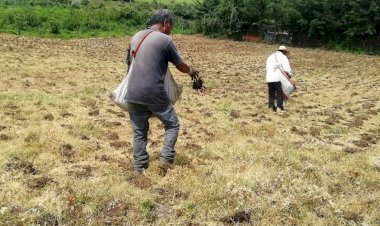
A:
(23, 97)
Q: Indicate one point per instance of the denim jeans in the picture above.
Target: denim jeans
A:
(139, 116)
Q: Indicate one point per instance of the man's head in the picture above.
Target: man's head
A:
(283, 50)
(162, 20)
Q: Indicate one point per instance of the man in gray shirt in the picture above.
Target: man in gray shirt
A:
(152, 49)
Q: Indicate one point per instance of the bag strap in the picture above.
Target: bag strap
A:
(134, 52)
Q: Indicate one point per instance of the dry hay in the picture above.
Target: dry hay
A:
(317, 164)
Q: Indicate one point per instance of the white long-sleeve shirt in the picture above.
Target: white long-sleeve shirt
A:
(275, 63)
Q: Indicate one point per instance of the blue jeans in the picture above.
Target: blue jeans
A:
(139, 116)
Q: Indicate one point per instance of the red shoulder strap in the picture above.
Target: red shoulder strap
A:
(134, 52)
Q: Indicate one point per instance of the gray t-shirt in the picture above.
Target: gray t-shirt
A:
(146, 82)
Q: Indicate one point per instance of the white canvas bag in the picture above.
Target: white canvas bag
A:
(287, 85)
(119, 95)
(173, 90)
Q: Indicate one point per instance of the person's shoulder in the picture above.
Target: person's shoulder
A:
(281, 55)
(162, 39)
(138, 34)
(162, 35)
(271, 55)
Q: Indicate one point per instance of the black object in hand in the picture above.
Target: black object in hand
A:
(198, 83)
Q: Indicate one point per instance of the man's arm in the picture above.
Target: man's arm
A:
(174, 57)
(184, 68)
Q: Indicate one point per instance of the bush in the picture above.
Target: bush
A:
(78, 3)
(70, 18)
(54, 27)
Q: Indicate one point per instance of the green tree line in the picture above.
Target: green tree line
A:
(338, 24)
(331, 23)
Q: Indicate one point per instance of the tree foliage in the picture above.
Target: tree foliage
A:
(344, 22)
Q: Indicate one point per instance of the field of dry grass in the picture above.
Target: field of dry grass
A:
(65, 149)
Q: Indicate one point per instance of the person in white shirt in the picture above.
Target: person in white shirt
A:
(277, 65)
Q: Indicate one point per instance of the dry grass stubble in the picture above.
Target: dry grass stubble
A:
(66, 149)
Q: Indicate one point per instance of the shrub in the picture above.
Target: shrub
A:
(54, 27)
(78, 3)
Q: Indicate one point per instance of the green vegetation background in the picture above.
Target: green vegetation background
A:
(88, 18)
(335, 24)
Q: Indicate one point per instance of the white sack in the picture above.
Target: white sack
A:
(119, 95)
(287, 85)
(173, 90)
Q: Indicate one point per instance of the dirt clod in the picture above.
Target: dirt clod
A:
(141, 181)
(298, 131)
(11, 106)
(314, 131)
(352, 216)
(84, 137)
(361, 143)
(38, 182)
(103, 158)
(114, 212)
(356, 123)
(112, 124)
(66, 114)
(66, 150)
(67, 126)
(83, 172)
(351, 150)
(18, 164)
(48, 117)
(94, 112)
(5, 137)
(47, 219)
(234, 113)
(166, 195)
(369, 138)
(112, 136)
(331, 121)
(120, 144)
(192, 146)
(238, 217)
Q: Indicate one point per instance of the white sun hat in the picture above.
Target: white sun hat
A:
(283, 48)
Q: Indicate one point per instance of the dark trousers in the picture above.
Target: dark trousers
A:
(275, 93)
